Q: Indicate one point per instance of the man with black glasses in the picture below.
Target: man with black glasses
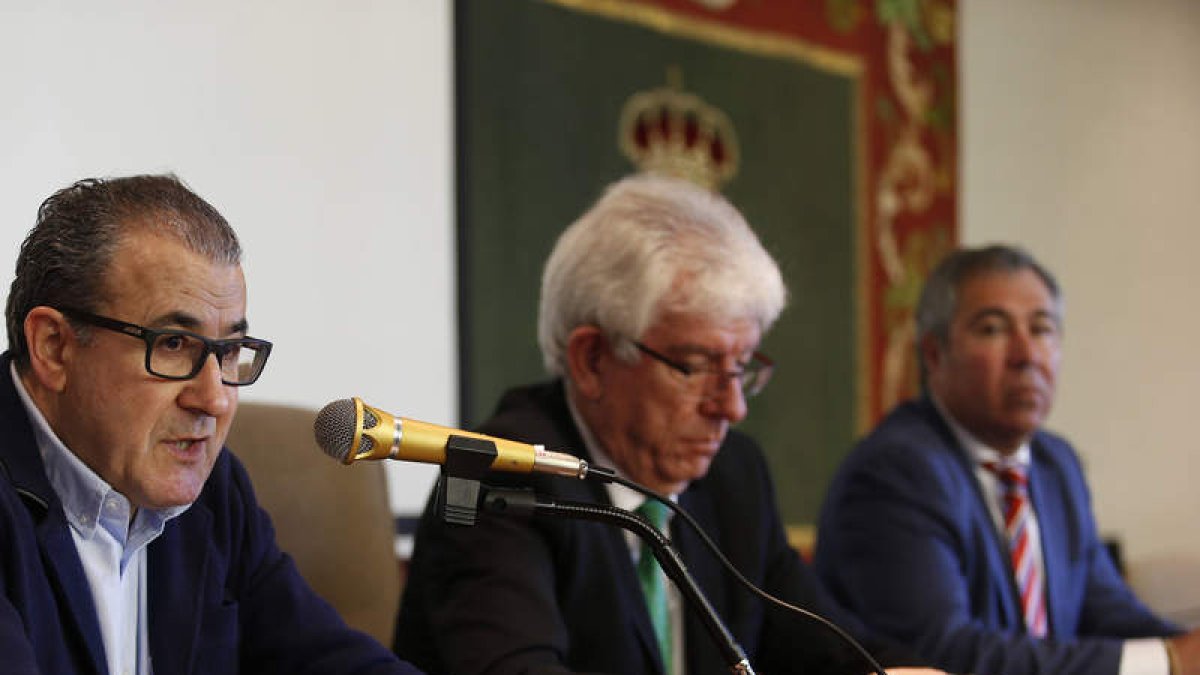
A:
(653, 304)
(130, 540)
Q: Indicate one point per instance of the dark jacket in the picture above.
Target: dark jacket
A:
(908, 542)
(549, 595)
(222, 597)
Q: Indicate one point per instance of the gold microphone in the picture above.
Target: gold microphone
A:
(349, 430)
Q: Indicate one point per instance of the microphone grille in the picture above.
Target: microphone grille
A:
(334, 428)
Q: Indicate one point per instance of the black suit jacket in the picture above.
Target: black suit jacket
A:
(549, 595)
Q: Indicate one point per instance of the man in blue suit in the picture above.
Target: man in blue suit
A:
(963, 528)
(130, 539)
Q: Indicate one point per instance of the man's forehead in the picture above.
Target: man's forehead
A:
(700, 334)
(183, 318)
(1005, 289)
(159, 282)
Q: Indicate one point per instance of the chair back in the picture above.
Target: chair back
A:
(334, 520)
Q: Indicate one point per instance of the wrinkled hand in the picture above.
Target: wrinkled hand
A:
(1187, 652)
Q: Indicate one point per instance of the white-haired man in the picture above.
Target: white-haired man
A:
(653, 305)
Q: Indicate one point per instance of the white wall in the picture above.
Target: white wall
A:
(1081, 140)
(322, 130)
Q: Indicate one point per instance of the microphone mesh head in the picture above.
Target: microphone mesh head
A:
(334, 428)
(370, 421)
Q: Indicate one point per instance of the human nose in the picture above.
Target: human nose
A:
(1020, 347)
(1029, 347)
(206, 392)
(726, 399)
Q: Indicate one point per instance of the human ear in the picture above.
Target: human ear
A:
(587, 348)
(51, 343)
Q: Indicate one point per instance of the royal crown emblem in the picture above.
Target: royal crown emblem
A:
(669, 131)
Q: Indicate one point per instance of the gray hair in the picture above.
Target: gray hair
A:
(939, 297)
(653, 244)
(65, 257)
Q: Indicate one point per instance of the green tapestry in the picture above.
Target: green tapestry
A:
(541, 93)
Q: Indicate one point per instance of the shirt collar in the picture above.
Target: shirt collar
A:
(87, 500)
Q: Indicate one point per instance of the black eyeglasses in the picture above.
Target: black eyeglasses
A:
(751, 376)
(179, 354)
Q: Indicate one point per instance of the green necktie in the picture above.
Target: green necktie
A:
(654, 586)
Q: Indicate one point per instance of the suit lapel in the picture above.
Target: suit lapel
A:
(23, 466)
(179, 561)
(701, 651)
(710, 577)
(979, 511)
(66, 573)
(629, 586)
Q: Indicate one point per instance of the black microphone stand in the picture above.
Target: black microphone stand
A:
(461, 493)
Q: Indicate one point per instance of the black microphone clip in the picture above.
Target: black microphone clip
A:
(467, 461)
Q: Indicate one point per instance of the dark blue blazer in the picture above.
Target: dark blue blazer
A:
(222, 597)
(549, 595)
(908, 543)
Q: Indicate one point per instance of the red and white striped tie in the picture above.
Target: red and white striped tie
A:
(1023, 548)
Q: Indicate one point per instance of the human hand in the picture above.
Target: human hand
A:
(1185, 653)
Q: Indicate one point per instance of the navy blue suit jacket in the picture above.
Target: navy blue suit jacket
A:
(222, 597)
(907, 541)
(549, 595)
